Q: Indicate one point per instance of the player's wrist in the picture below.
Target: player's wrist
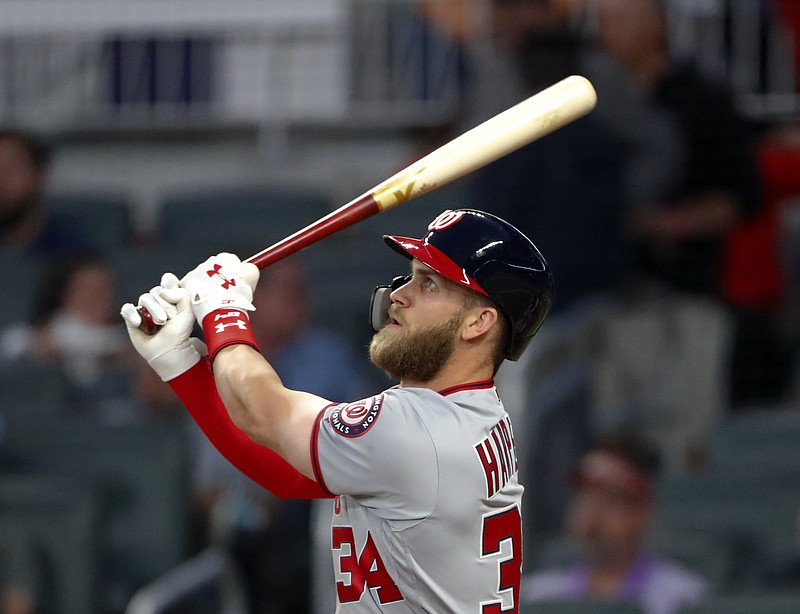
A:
(225, 327)
(175, 361)
(219, 301)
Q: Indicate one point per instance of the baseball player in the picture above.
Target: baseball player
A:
(427, 504)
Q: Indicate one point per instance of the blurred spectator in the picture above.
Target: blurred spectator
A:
(713, 182)
(789, 14)
(16, 600)
(25, 223)
(761, 277)
(674, 353)
(565, 191)
(75, 326)
(20, 573)
(612, 509)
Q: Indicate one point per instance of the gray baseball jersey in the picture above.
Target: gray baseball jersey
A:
(427, 513)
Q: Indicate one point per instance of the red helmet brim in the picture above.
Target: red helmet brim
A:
(433, 257)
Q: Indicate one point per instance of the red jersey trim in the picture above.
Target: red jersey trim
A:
(315, 452)
(489, 383)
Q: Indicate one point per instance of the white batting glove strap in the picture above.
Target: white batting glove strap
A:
(176, 361)
(221, 282)
(171, 351)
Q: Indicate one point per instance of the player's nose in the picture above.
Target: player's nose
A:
(400, 295)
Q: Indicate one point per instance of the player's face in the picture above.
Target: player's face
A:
(424, 322)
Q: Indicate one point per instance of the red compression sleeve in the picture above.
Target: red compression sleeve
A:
(198, 391)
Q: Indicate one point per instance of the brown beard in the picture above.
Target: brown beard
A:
(418, 356)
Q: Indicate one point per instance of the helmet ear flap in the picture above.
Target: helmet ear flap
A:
(381, 300)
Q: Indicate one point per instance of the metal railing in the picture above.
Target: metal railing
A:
(209, 568)
(744, 43)
(90, 63)
(85, 63)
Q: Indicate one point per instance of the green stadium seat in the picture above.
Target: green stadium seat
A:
(768, 438)
(579, 607)
(107, 218)
(242, 220)
(711, 555)
(748, 603)
(755, 511)
(19, 284)
(138, 270)
(141, 472)
(27, 388)
(60, 519)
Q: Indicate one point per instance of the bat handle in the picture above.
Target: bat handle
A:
(148, 326)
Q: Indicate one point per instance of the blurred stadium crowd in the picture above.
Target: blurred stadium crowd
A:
(670, 217)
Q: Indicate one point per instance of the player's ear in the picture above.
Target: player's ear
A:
(478, 321)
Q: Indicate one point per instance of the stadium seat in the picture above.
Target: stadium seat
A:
(138, 270)
(25, 388)
(242, 220)
(579, 607)
(748, 603)
(19, 284)
(754, 511)
(107, 218)
(766, 438)
(709, 554)
(60, 519)
(141, 474)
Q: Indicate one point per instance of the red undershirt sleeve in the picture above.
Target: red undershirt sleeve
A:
(197, 390)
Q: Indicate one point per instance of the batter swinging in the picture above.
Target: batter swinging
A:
(427, 513)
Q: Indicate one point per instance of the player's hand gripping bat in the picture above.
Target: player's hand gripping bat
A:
(531, 119)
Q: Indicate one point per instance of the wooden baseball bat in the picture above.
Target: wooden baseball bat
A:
(531, 119)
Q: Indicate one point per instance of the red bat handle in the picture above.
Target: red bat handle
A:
(346, 215)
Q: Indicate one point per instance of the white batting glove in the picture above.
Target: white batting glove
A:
(221, 282)
(171, 351)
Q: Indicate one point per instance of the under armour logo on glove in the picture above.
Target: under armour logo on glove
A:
(218, 284)
(226, 282)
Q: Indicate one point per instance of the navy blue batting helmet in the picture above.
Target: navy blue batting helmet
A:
(486, 254)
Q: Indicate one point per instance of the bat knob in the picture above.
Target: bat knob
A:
(148, 326)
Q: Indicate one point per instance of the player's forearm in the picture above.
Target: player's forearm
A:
(250, 390)
(266, 411)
